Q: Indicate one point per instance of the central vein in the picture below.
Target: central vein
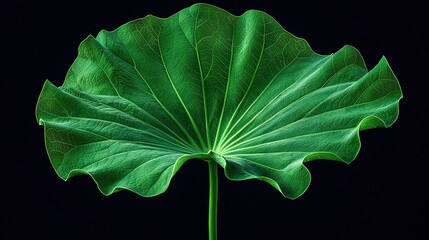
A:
(203, 89)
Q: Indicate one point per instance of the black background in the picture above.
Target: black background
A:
(382, 194)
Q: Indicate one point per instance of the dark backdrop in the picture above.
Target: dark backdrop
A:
(382, 194)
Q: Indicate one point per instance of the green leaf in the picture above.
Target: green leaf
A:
(143, 99)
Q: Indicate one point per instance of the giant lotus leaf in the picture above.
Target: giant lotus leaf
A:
(141, 100)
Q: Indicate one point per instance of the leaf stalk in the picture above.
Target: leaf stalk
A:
(213, 200)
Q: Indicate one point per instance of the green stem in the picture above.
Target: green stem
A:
(213, 197)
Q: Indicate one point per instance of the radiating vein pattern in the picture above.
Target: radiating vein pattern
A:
(143, 99)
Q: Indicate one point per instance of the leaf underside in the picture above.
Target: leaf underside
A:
(143, 99)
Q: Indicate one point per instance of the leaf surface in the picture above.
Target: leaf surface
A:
(143, 99)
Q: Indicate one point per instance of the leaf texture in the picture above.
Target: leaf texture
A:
(143, 99)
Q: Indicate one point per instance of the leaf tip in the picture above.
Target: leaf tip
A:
(384, 64)
(46, 86)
